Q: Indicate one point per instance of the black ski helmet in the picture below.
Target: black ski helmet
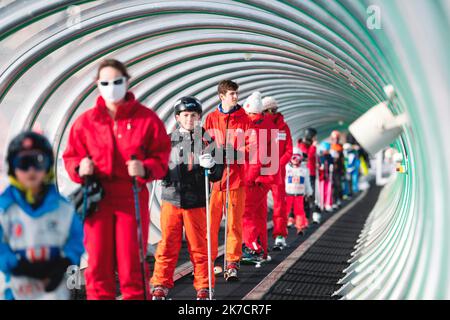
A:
(309, 134)
(187, 104)
(28, 140)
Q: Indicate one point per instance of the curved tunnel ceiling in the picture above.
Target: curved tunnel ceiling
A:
(317, 58)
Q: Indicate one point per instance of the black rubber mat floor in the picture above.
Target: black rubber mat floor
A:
(249, 276)
(315, 275)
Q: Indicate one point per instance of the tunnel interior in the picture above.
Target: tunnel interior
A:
(324, 62)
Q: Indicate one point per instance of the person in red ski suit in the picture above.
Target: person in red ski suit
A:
(102, 142)
(270, 108)
(227, 126)
(308, 146)
(262, 171)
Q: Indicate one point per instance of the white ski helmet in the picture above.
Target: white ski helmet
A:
(269, 103)
(253, 104)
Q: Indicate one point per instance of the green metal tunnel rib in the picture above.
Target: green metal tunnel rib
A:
(319, 59)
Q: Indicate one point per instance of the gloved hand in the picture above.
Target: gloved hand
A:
(95, 193)
(57, 269)
(35, 270)
(206, 161)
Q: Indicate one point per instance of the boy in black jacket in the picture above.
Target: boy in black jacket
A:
(184, 200)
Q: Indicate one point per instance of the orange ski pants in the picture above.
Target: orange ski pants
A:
(236, 207)
(172, 221)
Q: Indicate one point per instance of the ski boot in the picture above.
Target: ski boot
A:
(231, 274)
(317, 217)
(301, 231)
(280, 243)
(262, 258)
(250, 256)
(160, 293)
(203, 294)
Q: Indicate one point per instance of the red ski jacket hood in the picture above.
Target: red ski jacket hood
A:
(135, 130)
(260, 164)
(216, 124)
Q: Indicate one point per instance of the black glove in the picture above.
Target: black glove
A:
(95, 193)
(165, 183)
(35, 270)
(57, 269)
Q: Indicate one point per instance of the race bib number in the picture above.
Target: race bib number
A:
(24, 288)
(301, 189)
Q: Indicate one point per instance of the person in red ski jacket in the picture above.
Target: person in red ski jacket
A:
(308, 145)
(102, 142)
(227, 126)
(279, 233)
(262, 171)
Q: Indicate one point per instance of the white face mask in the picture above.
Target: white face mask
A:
(114, 90)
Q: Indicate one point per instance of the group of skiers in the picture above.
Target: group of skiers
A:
(337, 167)
(223, 169)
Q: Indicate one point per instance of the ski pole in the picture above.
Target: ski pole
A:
(226, 219)
(208, 234)
(152, 196)
(139, 232)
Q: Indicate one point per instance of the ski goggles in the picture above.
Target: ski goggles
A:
(37, 160)
(115, 82)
